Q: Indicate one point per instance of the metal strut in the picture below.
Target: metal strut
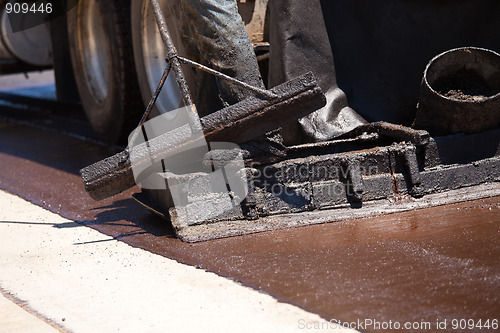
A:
(174, 62)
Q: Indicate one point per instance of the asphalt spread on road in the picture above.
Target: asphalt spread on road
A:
(427, 265)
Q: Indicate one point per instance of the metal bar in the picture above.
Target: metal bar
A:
(403, 133)
(259, 91)
(152, 103)
(393, 131)
(355, 178)
(409, 155)
(173, 59)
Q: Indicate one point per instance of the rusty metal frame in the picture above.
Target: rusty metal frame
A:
(173, 62)
(411, 170)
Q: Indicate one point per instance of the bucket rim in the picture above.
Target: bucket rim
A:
(440, 55)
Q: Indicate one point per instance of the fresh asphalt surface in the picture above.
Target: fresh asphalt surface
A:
(419, 266)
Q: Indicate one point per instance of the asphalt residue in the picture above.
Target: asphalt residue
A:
(438, 263)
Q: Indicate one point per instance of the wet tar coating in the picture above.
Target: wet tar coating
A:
(295, 99)
(438, 263)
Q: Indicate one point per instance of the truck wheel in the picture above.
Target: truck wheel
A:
(102, 58)
(149, 54)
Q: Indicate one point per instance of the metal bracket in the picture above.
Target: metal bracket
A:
(397, 132)
(355, 180)
(409, 155)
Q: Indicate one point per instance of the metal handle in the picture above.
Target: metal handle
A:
(173, 59)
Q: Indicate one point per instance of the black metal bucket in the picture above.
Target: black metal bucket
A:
(460, 92)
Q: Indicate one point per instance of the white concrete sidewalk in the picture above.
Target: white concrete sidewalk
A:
(83, 281)
(13, 318)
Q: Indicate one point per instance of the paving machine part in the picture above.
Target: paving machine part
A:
(372, 173)
(149, 52)
(238, 123)
(375, 168)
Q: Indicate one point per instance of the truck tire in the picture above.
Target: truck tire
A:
(149, 54)
(103, 63)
